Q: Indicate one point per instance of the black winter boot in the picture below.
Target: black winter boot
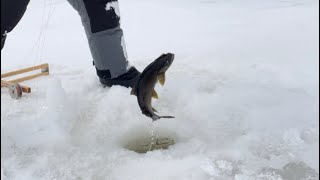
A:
(129, 79)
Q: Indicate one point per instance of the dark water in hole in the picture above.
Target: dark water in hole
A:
(146, 144)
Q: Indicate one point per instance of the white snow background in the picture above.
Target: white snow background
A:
(243, 88)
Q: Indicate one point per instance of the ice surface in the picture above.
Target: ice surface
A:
(243, 88)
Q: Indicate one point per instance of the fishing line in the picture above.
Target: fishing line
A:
(42, 36)
(36, 43)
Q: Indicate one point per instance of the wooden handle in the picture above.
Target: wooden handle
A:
(24, 89)
(3, 83)
(12, 73)
(28, 77)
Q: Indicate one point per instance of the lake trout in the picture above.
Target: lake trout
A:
(144, 90)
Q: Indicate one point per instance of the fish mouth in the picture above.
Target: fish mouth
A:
(165, 62)
(169, 58)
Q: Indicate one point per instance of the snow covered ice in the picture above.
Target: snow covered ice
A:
(243, 88)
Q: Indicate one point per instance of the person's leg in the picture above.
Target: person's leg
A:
(3, 39)
(101, 21)
(11, 13)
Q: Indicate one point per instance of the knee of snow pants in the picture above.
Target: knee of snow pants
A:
(11, 13)
(101, 21)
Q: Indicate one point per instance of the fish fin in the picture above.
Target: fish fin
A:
(154, 110)
(155, 94)
(167, 117)
(162, 78)
(133, 91)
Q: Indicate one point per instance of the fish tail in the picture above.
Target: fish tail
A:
(166, 117)
(156, 117)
